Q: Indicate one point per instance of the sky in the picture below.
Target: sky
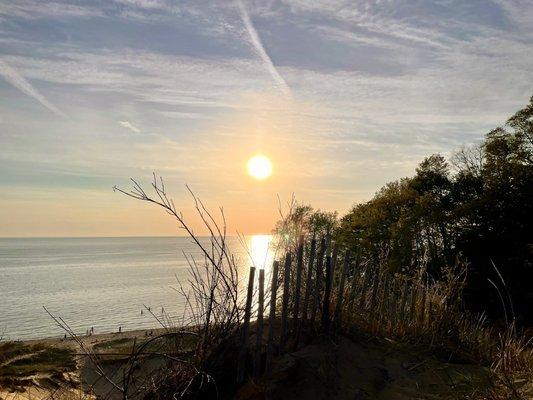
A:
(342, 96)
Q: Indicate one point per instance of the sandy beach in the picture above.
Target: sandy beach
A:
(40, 383)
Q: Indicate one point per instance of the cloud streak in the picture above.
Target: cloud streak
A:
(380, 85)
(18, 81)
(260, 50)
(130, 126)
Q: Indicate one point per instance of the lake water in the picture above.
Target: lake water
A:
(99, 282)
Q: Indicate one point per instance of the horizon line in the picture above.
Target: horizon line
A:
(120, 237)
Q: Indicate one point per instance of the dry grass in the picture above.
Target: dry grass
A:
(413, 310)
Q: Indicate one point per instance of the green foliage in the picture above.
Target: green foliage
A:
(304, 220)
(482, 211)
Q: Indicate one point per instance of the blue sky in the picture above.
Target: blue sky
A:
(343, 96)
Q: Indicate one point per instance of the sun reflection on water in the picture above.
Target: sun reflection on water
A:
(261, 254)
(260, 251)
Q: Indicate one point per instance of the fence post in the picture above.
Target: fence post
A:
(259, 333)
(412, 303)
(364, 289)
(422, 310)
(327, 296)
(334, 263)
(384, 294)
(376, 284)
(340, 295)
(241, 367)
(285, 304)
(435, 313)
(403, 303)
(374, 293)
(308, 281)
(353, 289)
(272, 316)
(393, 304)
(316, 294)
(297, 289)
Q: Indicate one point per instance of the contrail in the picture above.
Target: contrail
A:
(18, 81)
(258, 46)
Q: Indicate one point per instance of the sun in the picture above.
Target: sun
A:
(259, 167)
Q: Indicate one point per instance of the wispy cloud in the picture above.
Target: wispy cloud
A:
(18, 81)
(28, 9)
(146, 4)
(129, 125)
(379, 86)
(260, 49)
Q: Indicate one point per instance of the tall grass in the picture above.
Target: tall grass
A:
(196, 351)
(418, 310)
(411, 309)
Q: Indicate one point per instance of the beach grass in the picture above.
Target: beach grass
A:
(22, 363)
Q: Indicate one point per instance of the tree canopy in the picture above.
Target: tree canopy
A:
(304, 220)
(477, 206)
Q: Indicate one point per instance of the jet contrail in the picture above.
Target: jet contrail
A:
(258, 46)
(18, 81)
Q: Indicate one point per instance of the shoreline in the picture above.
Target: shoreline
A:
(91, 339)
(73, 378)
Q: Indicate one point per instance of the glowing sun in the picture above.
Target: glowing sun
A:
(259, 167)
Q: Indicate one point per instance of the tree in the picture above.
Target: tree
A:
(304, 220)
(483, 211)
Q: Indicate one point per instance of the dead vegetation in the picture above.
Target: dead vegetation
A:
(324, 295)
(324, 290)
(23, 365)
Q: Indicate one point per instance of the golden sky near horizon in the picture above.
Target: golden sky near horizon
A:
(340, 99)
(218, 172)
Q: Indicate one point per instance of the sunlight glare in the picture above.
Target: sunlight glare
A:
(259, 167)
(260, 250)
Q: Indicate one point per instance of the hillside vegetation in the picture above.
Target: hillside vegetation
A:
(475, 209)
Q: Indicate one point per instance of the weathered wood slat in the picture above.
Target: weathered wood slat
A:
(342, 283)
(374, 292)
(383, 297)
(412, 304)
(327, 296)
(334, 256)
(241, 367)
(272, 316)
(297, 288)
(364, 289)
(259, 333)
(394, 304)
(354, 283)
(309, 281)
(285, 303)
(422, 307)
(435, 313)
(318, 279)
(402, 315)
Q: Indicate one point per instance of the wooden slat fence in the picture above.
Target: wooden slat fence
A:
(339, 287)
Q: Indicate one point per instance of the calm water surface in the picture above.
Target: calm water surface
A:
(98, 282)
